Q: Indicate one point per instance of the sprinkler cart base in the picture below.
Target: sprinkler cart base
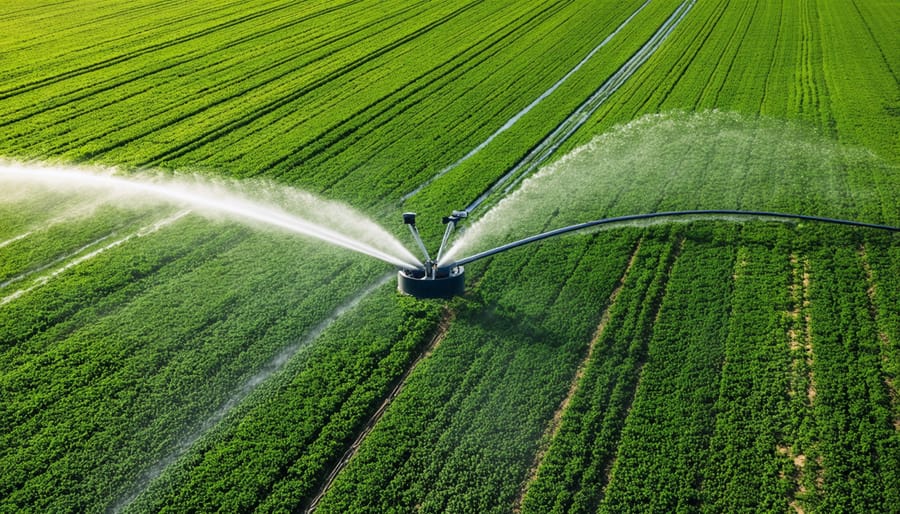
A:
(443, 283)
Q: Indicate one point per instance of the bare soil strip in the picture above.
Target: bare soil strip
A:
(872, 291)
(439, 335)
(800, 344)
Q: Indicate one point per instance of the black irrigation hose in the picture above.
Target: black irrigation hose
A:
(633, 217)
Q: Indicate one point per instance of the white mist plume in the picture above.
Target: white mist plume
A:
(691, 161)
(253, 202)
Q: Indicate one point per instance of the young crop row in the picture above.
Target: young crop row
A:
(767, 58)
(571, 476)
(216, 81)
(862, 81)
(749, 392)
(25, 211)
(854, 423)
(391, 107)
(462, 434)
(748, 461)
(216, 94)
(664, 447)
(108, 365)
(47, 246)
(277, 447)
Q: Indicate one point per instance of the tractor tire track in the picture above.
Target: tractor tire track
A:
(543, 150)
(509, 123)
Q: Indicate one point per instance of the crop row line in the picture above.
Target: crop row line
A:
(190, 57)
(111, 61)
(770, 73)
(510, 122)
(440, 332)
(425, 86)
(273, 105)
(275, 365)
(883, 338)
(700, 40)
(802, 384)
(650, 316)
(183, 108)
(875, 41)
(574, 472)
(556, 421)
(731, 49)
(149, 229)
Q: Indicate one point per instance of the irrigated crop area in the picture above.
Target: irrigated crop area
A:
(159, 352)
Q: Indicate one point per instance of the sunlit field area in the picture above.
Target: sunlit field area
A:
(201, 231)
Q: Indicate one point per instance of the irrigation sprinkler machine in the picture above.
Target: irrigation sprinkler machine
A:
(435, 280)
(432, 280)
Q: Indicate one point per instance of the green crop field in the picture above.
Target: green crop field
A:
(157, 358)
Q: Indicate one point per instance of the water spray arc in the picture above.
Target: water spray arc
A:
(438, 279)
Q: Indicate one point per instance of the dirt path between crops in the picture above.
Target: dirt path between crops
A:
(872, 291)
(443, 326)
(555, 422)
(799, 336)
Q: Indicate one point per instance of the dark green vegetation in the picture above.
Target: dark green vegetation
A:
(194, 366)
